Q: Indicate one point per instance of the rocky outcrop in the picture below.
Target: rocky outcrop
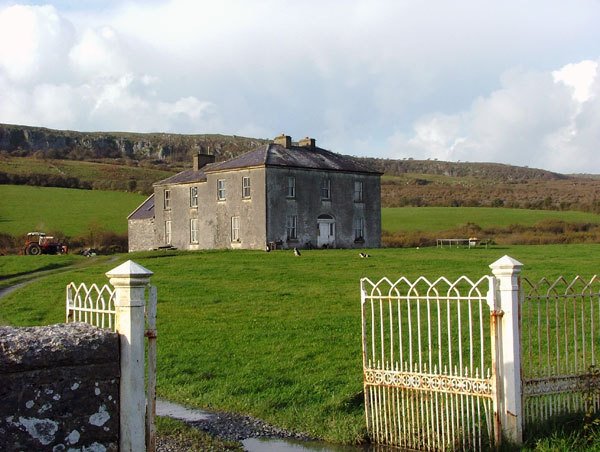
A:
(65, 144)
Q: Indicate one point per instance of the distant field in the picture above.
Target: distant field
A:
(431, 219)
(24, 209)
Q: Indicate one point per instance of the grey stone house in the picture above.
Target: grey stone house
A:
(280, 195)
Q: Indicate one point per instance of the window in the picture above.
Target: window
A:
(291, 191)
(194, 230)
(168, 232)
(193, 196)
(326, 189)
(359, 229)
(358, 191)
(235, 229)
(221, 189)
(245, 187)
(167, 199)
(290, 227)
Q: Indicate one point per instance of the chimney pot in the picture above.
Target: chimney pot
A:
(201, 160)
(284, 140)
(307, 142)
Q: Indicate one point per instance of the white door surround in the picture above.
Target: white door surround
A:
(325, 231)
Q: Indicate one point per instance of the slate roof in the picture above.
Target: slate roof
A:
(294, 156)
(275, 155)
(186, 176)
(144, 211)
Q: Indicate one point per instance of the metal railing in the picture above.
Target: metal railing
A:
(560, 344)
(462, 364)
(426, 387)
(92, 305)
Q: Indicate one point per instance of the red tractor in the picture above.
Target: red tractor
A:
(39, 243)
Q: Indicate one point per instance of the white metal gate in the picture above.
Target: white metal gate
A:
(428, 362)
(459, 365)
(561, 348)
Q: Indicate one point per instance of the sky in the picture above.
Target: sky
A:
(464, 80)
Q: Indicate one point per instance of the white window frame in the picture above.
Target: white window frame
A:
(246, 187)
(358, 191)
(221, 193)
(194, 230)
(359, 228)
(193, 196)
(167, 199)
(326, 188)
(235, 229)
(291, 227)
(168, 232)
(291, 187)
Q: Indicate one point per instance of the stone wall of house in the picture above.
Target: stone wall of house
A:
(308, 206)
(59, 388)
(141, 235)
(214, 216)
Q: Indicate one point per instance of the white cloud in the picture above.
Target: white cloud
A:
(534, 119)
(579, 77)
(52, 76)
(98, 54)
(33, 41)
(364, 77)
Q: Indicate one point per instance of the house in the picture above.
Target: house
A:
(281, 195)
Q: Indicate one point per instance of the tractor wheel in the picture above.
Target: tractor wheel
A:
(33, 249)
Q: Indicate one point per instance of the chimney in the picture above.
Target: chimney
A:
(201, 160)
(307, 143)
(283, 140)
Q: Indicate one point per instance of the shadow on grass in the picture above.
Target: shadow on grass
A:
(52, 266)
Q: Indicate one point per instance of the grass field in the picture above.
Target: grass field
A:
(432, 219)
(276, 336)
(24, 209)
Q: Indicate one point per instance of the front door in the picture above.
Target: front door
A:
(326, 231)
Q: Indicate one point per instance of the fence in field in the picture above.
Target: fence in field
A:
(460, 364)
(129, 308)
(560, 347)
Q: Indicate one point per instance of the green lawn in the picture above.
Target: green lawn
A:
(276, 336)
(12, 267)
(24, 209)
(431, 219)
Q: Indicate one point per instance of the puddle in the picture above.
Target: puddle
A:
(262, 444)
(289, 445)
(175, 411)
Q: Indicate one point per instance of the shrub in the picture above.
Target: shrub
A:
(8, 244)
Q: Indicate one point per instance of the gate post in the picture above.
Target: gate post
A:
(130, 280)
(507, 270)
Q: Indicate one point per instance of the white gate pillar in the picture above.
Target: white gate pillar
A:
(507, 270)
(130, 280)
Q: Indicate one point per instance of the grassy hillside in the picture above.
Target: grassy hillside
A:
(133, 161)
(283, 342)
(73, 212)
(435, 219)
(419, 189)
(97, 175)
(466, 189)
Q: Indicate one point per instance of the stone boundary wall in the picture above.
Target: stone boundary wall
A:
(59, 388)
